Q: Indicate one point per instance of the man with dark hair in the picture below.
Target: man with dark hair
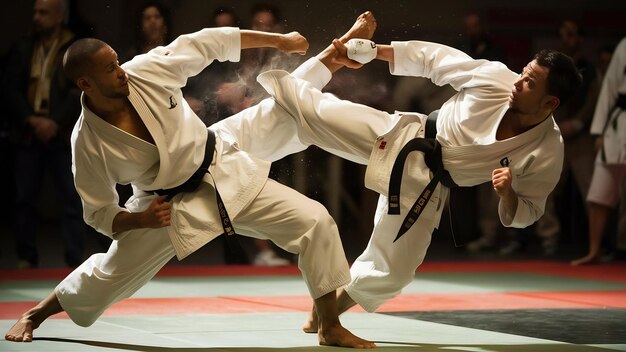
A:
(498, 127)
(136, 128)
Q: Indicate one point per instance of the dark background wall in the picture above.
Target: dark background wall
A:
(520, 26)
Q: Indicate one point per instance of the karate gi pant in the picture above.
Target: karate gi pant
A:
(279, 213)
(350, 131)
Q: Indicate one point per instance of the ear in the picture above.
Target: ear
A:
(552, 102)
(84, 84)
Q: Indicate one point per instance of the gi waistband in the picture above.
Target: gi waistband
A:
(194, 182)
(196, 178)
(434, 161)
(621, 101)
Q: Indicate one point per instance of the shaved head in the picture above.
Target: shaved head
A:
(77, 60)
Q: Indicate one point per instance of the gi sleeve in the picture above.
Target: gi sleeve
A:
(95, 187)
(532, 183)
(446, 65)
(186, 56)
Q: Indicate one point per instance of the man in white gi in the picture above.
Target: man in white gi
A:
(609, 173)
(137, 128)
(498, 127)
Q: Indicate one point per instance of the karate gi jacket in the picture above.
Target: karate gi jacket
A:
(104, 155)
(609, 119)
(466, 130)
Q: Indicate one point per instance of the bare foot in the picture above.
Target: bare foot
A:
(311, 323)
(337, 335)
(21, 331)
(588, 259)
(363, 28)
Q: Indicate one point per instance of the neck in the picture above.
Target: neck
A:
(521, 122)
(106, 107)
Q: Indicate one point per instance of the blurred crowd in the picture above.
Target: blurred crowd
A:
(41, 106)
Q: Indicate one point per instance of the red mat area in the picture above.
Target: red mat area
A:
(612, 272)
(402, 303)
(615, 272)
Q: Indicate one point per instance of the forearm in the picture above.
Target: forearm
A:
(125, 221)
(256, 39)
(385, 52)
(509, 202)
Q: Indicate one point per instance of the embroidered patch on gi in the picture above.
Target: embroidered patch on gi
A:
(382, 145)
(173, 102)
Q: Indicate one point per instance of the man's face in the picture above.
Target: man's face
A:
(225, 20)
(570, 40)
(106, 75)
(530, 91)
(153, 24)
(47, 16)
(263, 21)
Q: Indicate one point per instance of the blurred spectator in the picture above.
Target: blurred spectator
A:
(152, 30)
(574, 119)
(202, 89)
(605, 53)
(477, 43)
(609, 173)
(266, 18)
(224, 89)
(45, 106)
(225, 17)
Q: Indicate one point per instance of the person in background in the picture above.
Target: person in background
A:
(478, 43)
(152, 30)
(574, 120)
(44, 105)
(609, 172)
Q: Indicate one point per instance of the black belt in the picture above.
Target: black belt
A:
(621, 101)
(433, 158)
(196, 179)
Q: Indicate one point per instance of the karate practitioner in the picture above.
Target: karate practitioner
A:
(498, 127)
(136, 128)
(609, 173)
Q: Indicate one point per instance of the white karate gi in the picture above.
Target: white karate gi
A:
(466, 126)
(609, 121)
(104, 155)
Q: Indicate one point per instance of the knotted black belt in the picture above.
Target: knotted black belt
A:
(433, 158)
(196, 179)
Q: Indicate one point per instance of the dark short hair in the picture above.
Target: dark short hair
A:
(563, 76)
(78, 57)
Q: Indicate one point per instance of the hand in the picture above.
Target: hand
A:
(158, 213)
(502, 179)
(293, 43)
(341, 56)
(44, 128)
